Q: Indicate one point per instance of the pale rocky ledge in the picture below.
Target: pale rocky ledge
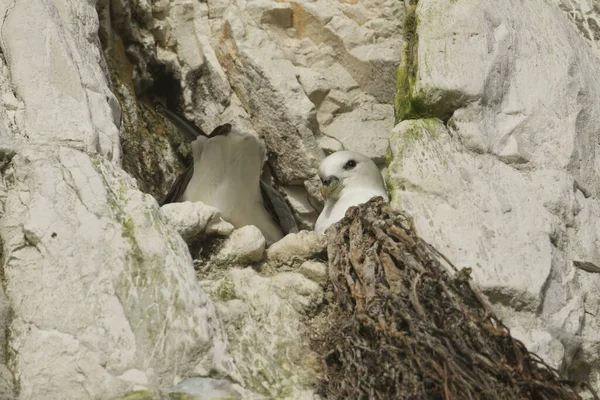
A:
(487, 117)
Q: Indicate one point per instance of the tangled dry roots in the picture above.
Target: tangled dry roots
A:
(406, 327)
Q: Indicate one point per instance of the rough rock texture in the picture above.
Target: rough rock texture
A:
(266, 309)
(315, 270)
(192, 220)
(301, 76)
(7, 383)
(294, 248)
(497, 158)
(101, 295)
(65, 74)
(154, 152)
(102, 291)
(309, 77)
(267, 304)
(194, 389)
(207, 389)
(585, 14)
(124, 310)
(246, 245)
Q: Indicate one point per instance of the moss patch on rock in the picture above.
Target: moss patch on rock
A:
(154, 395)
(140, 395)
(226, 290)
(407, 72)
(404, 137)
(412, 102)
(154, 152)
(280, 365)
(411, 133)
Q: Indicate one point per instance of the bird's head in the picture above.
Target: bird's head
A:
(345, 169)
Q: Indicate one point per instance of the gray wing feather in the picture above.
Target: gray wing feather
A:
(277, 206)
(221, 130)
(189, 130)
(179, 186)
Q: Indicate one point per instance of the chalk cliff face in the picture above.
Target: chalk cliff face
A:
(494, 152)
(101, 293)
(497, 156)
(308, 77)
(101, 296)
(585, 15)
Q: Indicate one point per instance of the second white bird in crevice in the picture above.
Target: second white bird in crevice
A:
(349, 179)
(226, 174)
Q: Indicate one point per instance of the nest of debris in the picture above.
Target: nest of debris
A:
(407, 325)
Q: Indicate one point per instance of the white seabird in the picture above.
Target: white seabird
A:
(226, 174)
(349, 179)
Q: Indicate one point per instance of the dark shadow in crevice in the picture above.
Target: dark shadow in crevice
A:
(165, 88)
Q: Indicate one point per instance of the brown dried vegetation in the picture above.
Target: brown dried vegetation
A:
(407, 325)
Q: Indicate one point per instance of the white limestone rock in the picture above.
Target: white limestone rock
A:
(195, 389)
(330, 145)
(208, 98)
(351, 127)
(314, 270)
(585, 15)
(111, 270)
(246, 245)
(268, 315)
(301, 203)
(194, 219)
(306, 76)
(103, 291)
(268, 308)
(476, 203)
(285, 116)
(295, 248)
(315, 78)
(61, 71)
(508, 186)
(527, 327)
(211, 389)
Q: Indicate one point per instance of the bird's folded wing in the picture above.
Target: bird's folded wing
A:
(189, 130)
(221, 130)
(277, 206)
(179, 185)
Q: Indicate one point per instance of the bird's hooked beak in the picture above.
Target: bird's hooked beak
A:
(331, 186)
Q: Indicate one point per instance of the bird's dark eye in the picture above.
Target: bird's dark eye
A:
(349, 165)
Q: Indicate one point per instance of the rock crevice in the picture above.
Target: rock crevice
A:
(503, 180)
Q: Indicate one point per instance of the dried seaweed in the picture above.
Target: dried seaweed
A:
(407, 325)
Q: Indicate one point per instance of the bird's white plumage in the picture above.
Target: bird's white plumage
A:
(226, 175)
(358, 185)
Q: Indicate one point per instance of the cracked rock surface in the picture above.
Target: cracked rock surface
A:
(308, 77)
(101, 295)
(267, 307)
(585, 15)
(494, 151)
(496, 156)
(102, 292)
